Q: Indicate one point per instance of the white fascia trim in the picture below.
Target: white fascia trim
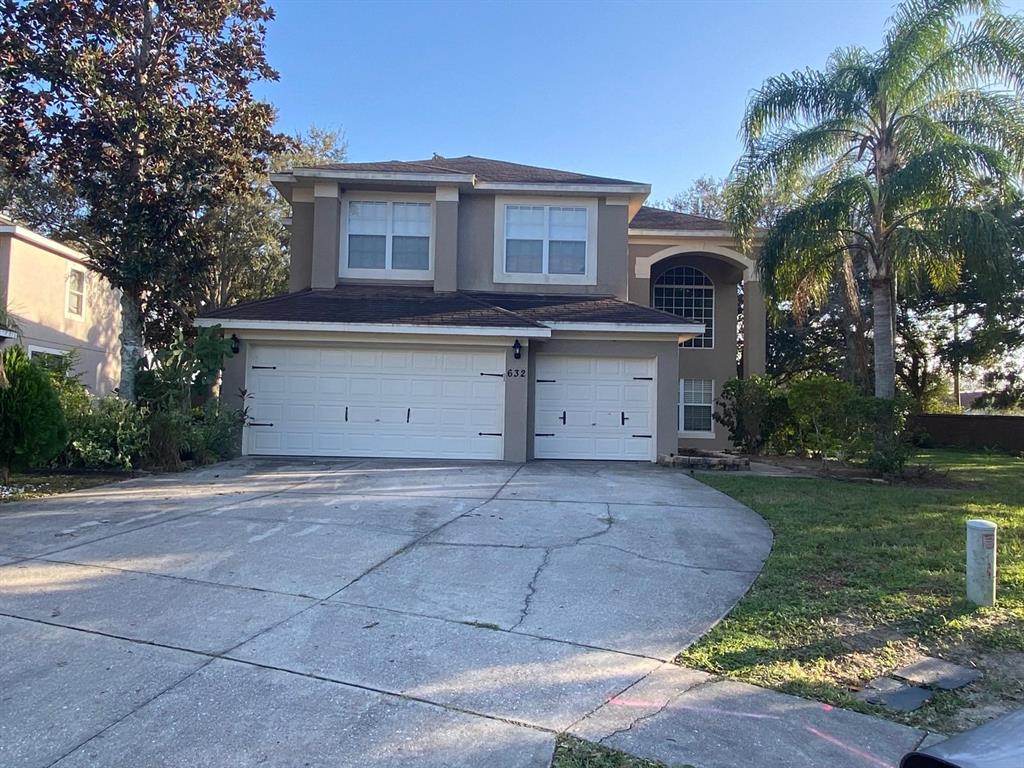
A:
(433, 178)
(44, 242)
(598, 190)
(420, 330)
(675, 330)
(681, 232)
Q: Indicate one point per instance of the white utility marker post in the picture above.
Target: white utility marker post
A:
(981, 562)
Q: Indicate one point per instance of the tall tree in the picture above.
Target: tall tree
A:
(143, 110)
(899, 139)
(249, 240)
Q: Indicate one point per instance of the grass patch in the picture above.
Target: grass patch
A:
(863, 578)
(33, 486)
(571, 752)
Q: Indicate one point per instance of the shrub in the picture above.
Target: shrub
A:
(169, 433)
(829, 417)
(111, 434)
(216, 433)
(33, 429)
(753, 410)
(891, 446)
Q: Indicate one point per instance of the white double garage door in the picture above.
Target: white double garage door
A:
(421, 402)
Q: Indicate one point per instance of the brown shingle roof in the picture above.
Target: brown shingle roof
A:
(481, 167)
(421, 306)
(578, 309)
(374, 304)
(658, 218)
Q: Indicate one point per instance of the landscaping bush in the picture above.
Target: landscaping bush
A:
(216, 433)
(33, 429)
(111, 434)
(818, 416)
(891, 445)
(169, 432)
(829, 416)
(753, 410)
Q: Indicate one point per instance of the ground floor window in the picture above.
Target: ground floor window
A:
(696, 406)
(53, 359)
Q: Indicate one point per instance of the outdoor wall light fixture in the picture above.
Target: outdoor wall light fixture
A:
(236, 345)
(517, 349)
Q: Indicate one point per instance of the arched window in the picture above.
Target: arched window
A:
(689, 293)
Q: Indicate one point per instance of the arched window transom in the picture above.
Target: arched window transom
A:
(689, 293)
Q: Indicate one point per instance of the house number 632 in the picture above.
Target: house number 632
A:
(516, 373)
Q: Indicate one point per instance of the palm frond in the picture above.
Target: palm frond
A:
(918, 31)
(798, 255)
(808, 97)
(948, 173)
(989, 50)
(934, 245)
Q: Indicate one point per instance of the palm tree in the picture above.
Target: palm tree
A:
(897, 143)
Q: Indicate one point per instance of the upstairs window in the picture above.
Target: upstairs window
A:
(74, 302)
(387, 236)
(689, 293)
(545, 241)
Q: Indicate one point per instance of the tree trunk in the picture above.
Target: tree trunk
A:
(856, 337)
(132, 345)
(885, 356)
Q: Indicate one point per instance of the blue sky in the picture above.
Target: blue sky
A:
(646, 91)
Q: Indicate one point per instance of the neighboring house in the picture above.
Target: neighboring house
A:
(56, 303)
(471, 308)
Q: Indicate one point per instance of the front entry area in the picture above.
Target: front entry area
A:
(389, 401)
(595, 408)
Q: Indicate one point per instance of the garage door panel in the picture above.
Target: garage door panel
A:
(377, 402)
(594, 394)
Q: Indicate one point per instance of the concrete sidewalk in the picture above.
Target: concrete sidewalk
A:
(381, 613)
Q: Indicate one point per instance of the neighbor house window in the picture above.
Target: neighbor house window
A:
(696, 406)
(51, 359)
(74, 305)
(388, 235)
(689, 293)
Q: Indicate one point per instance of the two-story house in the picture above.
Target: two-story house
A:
(472, 308)
(57, 303)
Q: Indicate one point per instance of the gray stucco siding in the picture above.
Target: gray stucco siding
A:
(476, 251)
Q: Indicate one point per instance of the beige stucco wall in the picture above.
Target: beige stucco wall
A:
(720, 362)
(33, 282)
(301, 247)
(476, 251)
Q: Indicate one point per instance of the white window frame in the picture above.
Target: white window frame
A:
(33, 350)
(589, 276)
(387, 273)
(690, 344)
(67, 293)
(697, 434)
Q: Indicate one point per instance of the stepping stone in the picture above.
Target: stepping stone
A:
(901, 698)
(936, 673)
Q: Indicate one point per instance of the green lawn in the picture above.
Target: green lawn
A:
(33, 486)
(863, 577)
(571, 752)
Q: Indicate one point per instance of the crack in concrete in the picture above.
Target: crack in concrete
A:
(531, 588)
(675, 697)
(415, 542)
(673, 562)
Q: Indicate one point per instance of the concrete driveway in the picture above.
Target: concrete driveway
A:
(359, 613)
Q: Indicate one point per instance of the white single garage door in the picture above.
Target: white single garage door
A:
(375, 401)
(594, 408)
